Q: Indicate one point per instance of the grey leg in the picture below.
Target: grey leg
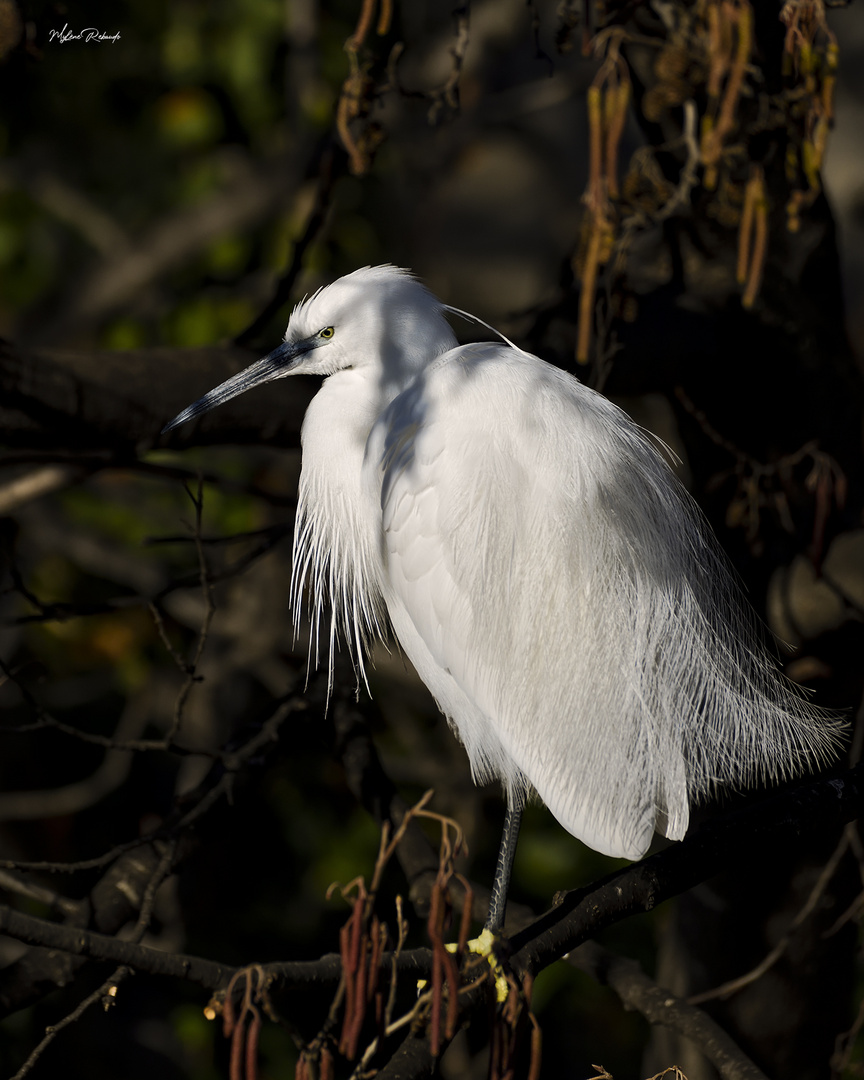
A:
(501, 883)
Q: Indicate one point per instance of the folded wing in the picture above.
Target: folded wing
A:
(559, 593)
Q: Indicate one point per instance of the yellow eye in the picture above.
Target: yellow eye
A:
(326, 333)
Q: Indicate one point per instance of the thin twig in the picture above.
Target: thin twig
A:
(54, 901)
(231, 760)
(332, 167)
(209, 611)
(107, 992)
(732, 986)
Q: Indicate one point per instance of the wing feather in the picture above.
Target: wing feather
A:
(560, 595)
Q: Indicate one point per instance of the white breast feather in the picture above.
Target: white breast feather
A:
(335, 558)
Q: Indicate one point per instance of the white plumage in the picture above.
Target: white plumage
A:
(554, 585)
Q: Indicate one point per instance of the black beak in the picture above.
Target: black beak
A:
(273, 366)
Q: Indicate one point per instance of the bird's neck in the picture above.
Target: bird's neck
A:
(337, 425)
(336, 531)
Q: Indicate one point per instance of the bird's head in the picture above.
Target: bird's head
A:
(379, 318)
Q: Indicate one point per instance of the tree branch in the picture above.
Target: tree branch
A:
(95, 946)
(67, 400)
(818, 806)
(660, 1006)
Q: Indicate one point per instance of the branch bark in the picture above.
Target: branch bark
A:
(660, 1006)
(68, 401)
(819, 806)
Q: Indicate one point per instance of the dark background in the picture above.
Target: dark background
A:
(164, 199)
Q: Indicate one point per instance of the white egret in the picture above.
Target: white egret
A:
(554, 585)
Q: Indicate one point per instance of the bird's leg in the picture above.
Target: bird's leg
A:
(506, 853)
(484, 945)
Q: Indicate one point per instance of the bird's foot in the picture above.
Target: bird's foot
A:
(484, 945)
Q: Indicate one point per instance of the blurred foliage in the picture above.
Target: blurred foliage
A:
(153, 125)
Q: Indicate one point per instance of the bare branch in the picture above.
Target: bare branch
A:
(70, 799)
(107, 992)
(731, 987)
(191, 668)
(819, 805)
(61, 399)
(333, 165)
(660, 1006)
(43, 480)
(53, 900)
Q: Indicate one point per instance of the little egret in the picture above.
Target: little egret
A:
(554, 585)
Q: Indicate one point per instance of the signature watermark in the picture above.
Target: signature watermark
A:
(89, 33)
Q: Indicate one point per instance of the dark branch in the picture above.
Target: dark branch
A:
(820, 806)
(97, 946)
(660, 1006)
(57, 399)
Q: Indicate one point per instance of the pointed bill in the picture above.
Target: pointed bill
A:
(273, 366)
